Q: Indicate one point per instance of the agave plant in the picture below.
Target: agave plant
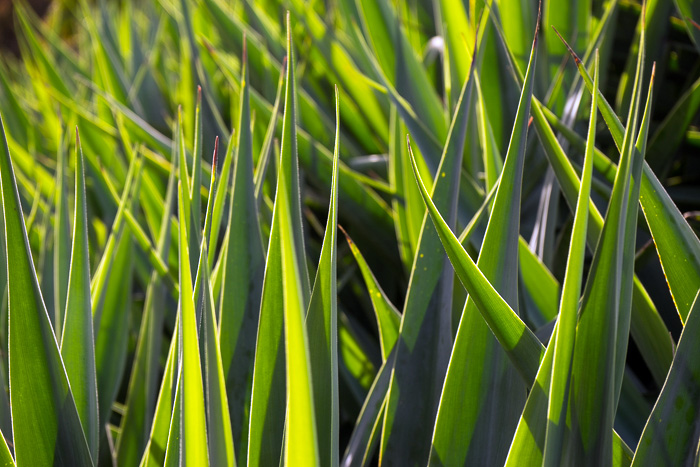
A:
(497, 296)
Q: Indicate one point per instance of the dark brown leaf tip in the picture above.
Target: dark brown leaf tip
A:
(77, 137)
(347, 237)
(568, 47)
(216, 154)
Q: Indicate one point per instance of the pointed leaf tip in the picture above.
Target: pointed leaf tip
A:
(568, 47)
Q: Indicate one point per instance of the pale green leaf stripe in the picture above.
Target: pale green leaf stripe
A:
(193, 439)
(670, 230)
(388, 317)
(242, 276)
(45, 423)
(322, 326)
(77, 340)
(425, 334)
(670, 435)
(568, 309)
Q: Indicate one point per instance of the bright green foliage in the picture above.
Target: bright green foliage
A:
(520, 280)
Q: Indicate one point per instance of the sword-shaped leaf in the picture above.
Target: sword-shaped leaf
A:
(46, 426)
(670, 436)
(425, 334)
(77, 340)
(284, 298)
(469, 413)
(242, 278)
(322, 325)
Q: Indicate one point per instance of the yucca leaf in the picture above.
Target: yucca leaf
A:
(221, 448)
(220, 438)
(647, 327)
(670, 435)
(61, 245)
(268, 143)
(242, 278)
(322, 326)
(483, 362)
(267, 412)
(603, 314)
(193, 437)
(568, 310)
(425, 333)
(657, 206)
(388, 317)
(77, 340)
(408, 210)
(399, 63)
(45, 423)
(300, 432)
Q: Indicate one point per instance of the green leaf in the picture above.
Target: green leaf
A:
(242, 278)
(267, 148)
(388, 317)
(286, 264)
(322, 326)
(565, 336)
(670, 435)
(221, 450)
(601, 329)
(45, 423)
(61, 259)
(425, 334)
(193, 437)
(77, 341)
(6, 459)
(462, 428)
(647, 327)
(300, 434)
